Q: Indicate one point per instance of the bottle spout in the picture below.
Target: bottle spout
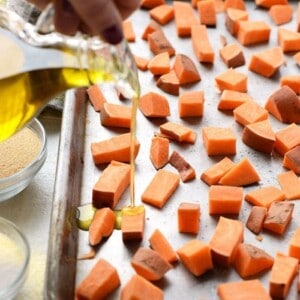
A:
(126, 75)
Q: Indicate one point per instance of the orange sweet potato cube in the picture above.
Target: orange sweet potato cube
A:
(225, 199)
(279, 216)
(253, 32)
(232, 80)
(291, 160)
(250, 112)
(196, 257)
(140, 288)
(188, 215)
(191, 104)
(294, 245)
(219, 141)
(133, 223)
(287, 138)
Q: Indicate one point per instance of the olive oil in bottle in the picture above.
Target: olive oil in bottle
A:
(23, 96)
(35, 67)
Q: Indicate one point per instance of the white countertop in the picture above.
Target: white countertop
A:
(31, 210)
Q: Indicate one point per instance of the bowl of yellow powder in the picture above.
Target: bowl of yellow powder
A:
(21, 157)
(14, 259)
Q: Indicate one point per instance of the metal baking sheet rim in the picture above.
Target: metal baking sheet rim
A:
(72, 189)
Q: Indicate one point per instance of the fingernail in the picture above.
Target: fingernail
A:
(113, 34)
(67, 7)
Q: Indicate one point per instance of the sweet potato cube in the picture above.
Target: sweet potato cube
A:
(177, 131)
(141, 62)
(259, 136)
(253, 32)
(191, 104)
(96, 97)
(102, 225)
(128, 30)
(139, 288)
(228, 234)
(292, 81)
(196, 257)
(265, 196)
(245, 289)
(284, 105)
(225, 199)
(219, 141)
(160, 243)
(186, 171)
(267, 62)
(154, 105)
(289, 183)
(207, 12)
(250, 260)
(162, 14)
(270, 3)
(169, 83)
(160, 189)
(288, 40)
(188, 215)
(294, 245)
(149, 4)
(232, 80)
(186, 70)
(201, 44)
(185, 18)
(233, 17)
(232, 55)
(279, 216)
(230, 100)
(159, 43)
(149, 264)
(159, 64)
(102, 280)
(111, 184)
(283, 272)
(256, 219)
(238, 4)
(151, 27)
(133, 223)
(241, 174)
(249, 112)
(115, 148)
(287, 138)
(159, 152)
(281, 13)
(213, 174)
(291, 160)
(116, 115)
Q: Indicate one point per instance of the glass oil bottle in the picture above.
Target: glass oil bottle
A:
(35, 67)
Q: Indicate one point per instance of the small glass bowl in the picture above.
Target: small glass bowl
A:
(14, 259)
(14, 184)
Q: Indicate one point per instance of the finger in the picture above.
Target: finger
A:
(126, 8)
(41, 4)
(102, 17)
(66, 19)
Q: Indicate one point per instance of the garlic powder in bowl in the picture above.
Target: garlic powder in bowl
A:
(21, 157)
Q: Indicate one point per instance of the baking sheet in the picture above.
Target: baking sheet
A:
(76, 174)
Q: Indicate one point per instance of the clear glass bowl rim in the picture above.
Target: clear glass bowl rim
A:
(7, 184)
(13, 288)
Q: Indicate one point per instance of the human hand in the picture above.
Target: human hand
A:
(96, 17)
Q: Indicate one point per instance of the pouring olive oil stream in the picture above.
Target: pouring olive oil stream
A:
(35, 67)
